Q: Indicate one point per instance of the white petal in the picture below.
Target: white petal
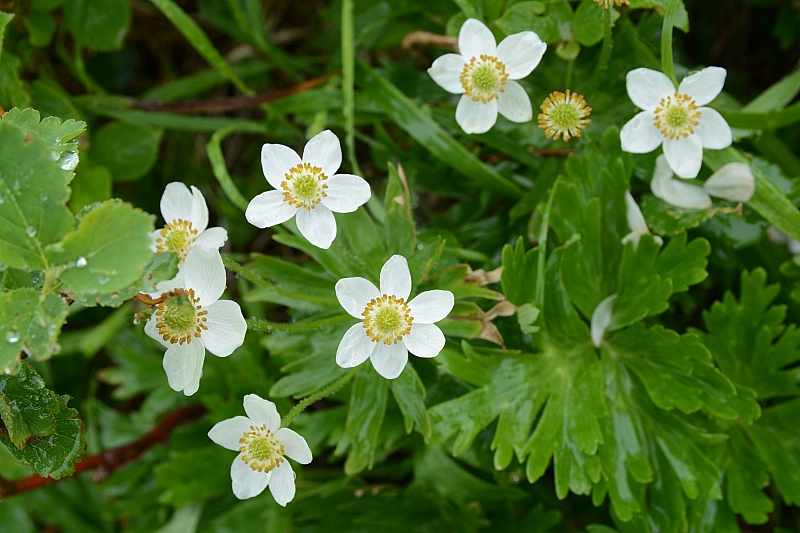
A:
(431, 306)
(634, 215)
(199, 216)
(154, 235)
(705, 85)
(475, 39)
(152, 332)
(276, 160)
(685, 195)
(262, 411)
(514, 103)
(684, 155)
(647, 87)
(176, 202)
(355, 347)
(662, 175)
(294, 445)
(712, 130)
(395, 277)
(268, 209)
(212, 238)
(601, 319)
(476, 117)
(226, 328)
(317, 225)
(640, 135)
(446, 71)
(424, 340)
(734, 182)
(247, 482)
(324, 151)
(205, 273)
(354, 294)
(180, 363)
(794, 247)
(228, 432)
(346, 193)
(634, 237)
(521, 53)
(281, 485)
(178, 282)
(389, 360)
(194, 383)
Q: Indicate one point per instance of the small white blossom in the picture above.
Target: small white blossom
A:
(192, 319)
(601, 319)
(263, 447)
(484, 72)
(390, 327)
(186, 216)
(307, 187)
(676, 119)
(734, 182)
(636, 223)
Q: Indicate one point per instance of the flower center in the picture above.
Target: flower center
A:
(180, 318)
(676, 116)
(176, 236)
(387, 319)
(260, 449)
(564, 114)
(304, 186)
(607, 3)
(483, 78)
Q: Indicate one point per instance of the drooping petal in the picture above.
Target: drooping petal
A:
(475, 39)
(324, 151)
(601, 319)
(647, 87)
(734, 182)
(276, 160)
(705, 85)
(355, 347)
(685, 195)
(281, 485)
(431, 306)
(662, 174)
(199, 216)
(395, 277)
(389, 360)
(636, 221)
(268, 209)
(262, 411)
(475, 116)
(194, 383)
(521, 53)
(684, 155)
(640, 135)
(228, 432)
(446, 71)
(205, 273)
(180, 363)
(294, 445)
(633, 237)
(712, 130)
(346, 193)
(226, 328)
(354, 294)
(152, 332)
(176, 202)
(247, 482)
(514, 103)
(424, 340)
(317, 225)
(212, 238)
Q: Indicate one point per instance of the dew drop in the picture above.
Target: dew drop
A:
(3, 267)
(81, 262)
(68, 161)
(43, 198)
(30, 231)
(54, 349)
(12, 335)
(103, 280)
(15, 186)
(420, 247)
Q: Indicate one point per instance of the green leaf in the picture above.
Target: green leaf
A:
(409, 393)
(746, 476)
(778, 442)
(91, 184)
(31, 321)
(684, 264)
(519, 268)
(777, 95)
(190, 475)
(641, 291)
(13, 92)
(668, 220)
(100, 24)
(279, 281)
(41, 27)
(129, 151)
(530, 16)
(399, 229)
(681, 16)
(60, 136)
(587, 22)
(364, 419)
(5, 18)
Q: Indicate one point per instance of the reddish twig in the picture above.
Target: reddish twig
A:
(110, 460)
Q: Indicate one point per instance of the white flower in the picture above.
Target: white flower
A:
(193, 318)
(484, 72)
(734, 182)
(263, 447)
(308, 187)
(636, 223)
(186, 215)
(390, 327)
(676, 119)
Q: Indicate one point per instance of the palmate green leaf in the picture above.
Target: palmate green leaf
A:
(129, 151)
(519, 273)
(587, 23)
(538, 17)
(194, 474)
(409, 393)
(641, 290)
(746, 476)
(60, 136)
(668, 220)
(368, 398)
(100, 24)
(29, 321)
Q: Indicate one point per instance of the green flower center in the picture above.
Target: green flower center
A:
(176, 240)
(483, 78)
(564, 115)
(387, 319)
(176, 236)
(179, 313)
(304, 186)
(180, 318)
(261, 449)
(676, 116)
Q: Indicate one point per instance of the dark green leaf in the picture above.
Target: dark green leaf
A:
(30, 321)
(129, 151)
(100, 24)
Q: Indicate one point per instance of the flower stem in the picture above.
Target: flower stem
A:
(605, 51)
(297, 327)
(322, 393)
(220, 167)
(348, 82)
(667, 64)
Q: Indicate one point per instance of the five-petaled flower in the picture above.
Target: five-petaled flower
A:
(191, 318)
(484, 72)
(676, 119)
(308, 187)
(263, 447)
(390, 327)
(186, 216)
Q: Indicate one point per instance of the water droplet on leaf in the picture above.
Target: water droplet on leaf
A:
(12, 335)
(30, 231)
(81, 262)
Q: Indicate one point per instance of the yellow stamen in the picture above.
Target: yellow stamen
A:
(176, 236)
(387, 319)
(262, 451)
(304, 186)
(483, 78)
(676, 116)
(180, 317)
(564, 114)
